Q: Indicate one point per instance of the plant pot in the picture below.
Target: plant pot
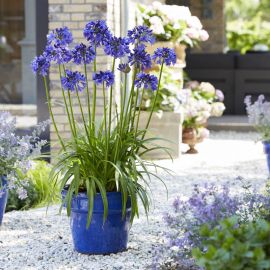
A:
(3, 197)
(100, 238)
(190, 137)
(267, 152)
(168, 128)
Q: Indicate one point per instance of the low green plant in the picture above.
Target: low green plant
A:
(39, 189)
(232, 246)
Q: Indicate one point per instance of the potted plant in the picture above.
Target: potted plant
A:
(199, 101)
(258, 115)
(101, 168)
(173, 26)
(15, 154)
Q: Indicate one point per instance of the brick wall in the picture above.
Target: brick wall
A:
(213, 20)
(211, 14)
(75, 14)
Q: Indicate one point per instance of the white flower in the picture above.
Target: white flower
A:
(203, 133)
(217, 109)
(156, 25)
(176, 13)
(203, 35)
(207, 88)
(22, 193)
(192, 33)
(157, 5)
(194, 22)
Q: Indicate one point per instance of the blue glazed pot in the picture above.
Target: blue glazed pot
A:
(3, 197)
(99, 238)
(267, 152)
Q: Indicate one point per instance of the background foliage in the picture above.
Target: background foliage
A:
(248, 24)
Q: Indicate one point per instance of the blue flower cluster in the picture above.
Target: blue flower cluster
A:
(60, 37)
(73, 81)
(41, 65)
(146, 81)
(165, 55)
(125, 68)
(83, 54)
(117, 47)
(140, 58)
(97, 32)
(141, 34)
(104, 77)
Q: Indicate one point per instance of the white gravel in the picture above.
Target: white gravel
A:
(34, 240)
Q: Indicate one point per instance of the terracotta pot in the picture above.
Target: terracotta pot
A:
(190, 137)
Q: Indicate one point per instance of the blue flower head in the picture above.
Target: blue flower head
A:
(146, 81)
(125, 68)
(73, 80)
(117, 47)
(59, 54)
(60, 37)
(83, 54)
(106, 77)
(97, 32)
(41, 65)
(140, 58)
(164, 54)
(141, 34)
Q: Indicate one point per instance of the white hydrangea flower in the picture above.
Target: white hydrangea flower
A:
(194, 22)
(156, 25)
(217, 109)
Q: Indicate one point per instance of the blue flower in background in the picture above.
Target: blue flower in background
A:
(146, 81)
(60, 37)
(83, 54)
(140, 58)
(125, 68)
(117, 47)
(141, 34)
(41, 65)
(73, 80)
(164, 54)
(59, 54)
(97, 32)
(106, 77)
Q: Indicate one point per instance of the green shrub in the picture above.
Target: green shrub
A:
(39, 189)
(235, 247)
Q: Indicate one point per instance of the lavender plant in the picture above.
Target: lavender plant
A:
(259, 115)
(106, 156)
(16, 152)
(208, 204)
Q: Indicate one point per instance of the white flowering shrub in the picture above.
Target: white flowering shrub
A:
(172, 23)
(16, 152)
(199, 102)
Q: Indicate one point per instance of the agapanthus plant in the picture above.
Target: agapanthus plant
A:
(259, 116)
(106, 156)
(172, 23)
(16, 152)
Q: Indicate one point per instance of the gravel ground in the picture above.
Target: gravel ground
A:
(34, 240)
